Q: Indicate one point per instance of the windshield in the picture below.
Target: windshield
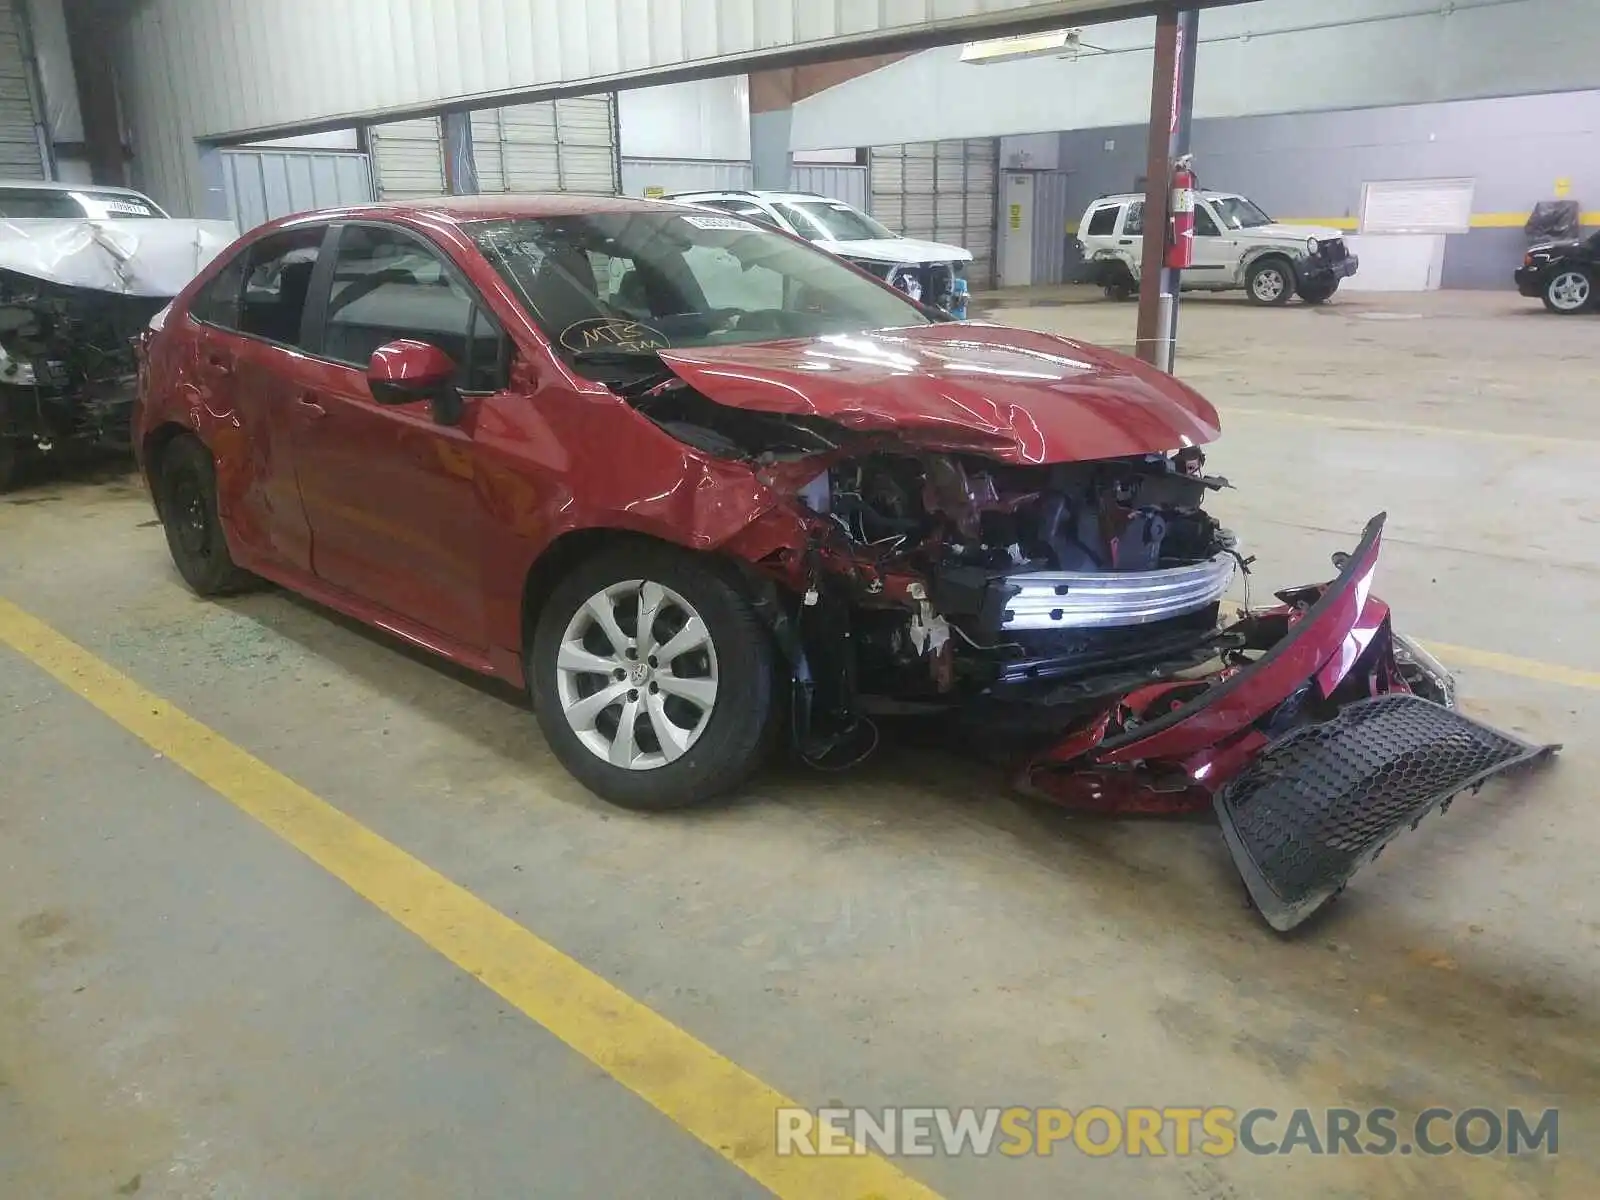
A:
(105, 206)
(635, 282)
(832, 220)
(1235, 212)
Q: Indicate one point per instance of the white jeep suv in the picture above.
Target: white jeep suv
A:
(925, 271)
(1236, 245)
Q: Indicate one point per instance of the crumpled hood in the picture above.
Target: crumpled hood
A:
(1010, 394)
(1299, 233)
(154, 257)
(897, 250)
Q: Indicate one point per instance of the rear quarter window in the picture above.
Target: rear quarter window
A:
(1103, 221)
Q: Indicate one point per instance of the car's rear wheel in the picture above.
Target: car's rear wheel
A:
(1270, 281)
(1569, 290)
(186, 499)
(652, 678)
(1319, 293)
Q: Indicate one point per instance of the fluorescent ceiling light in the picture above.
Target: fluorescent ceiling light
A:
(1027, 45)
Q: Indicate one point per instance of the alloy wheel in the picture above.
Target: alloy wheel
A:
(636, 675)
(1569, 291)
(1269, 284)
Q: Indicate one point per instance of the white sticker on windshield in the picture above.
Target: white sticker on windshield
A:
(717, 222)
(131, 207)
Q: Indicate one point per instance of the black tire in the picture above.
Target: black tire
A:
(736, 737)
(1257, 283)
(10, 461)
(1319, 293)
(1567, 284)
(186, 499)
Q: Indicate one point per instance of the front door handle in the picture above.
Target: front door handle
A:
(308, 406)
(219, 363)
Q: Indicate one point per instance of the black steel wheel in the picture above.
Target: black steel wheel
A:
(186, 498)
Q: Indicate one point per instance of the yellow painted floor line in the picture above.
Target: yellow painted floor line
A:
(1510, 664)
(717, 1101)
(1354, 422)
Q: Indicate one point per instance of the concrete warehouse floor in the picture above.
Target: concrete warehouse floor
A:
(191, 1008)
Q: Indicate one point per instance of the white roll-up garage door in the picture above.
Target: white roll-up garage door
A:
(943, 192)
(19, 140)
(552, 146)
(407, 159)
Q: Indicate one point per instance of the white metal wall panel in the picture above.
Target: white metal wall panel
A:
(836, 182)
(191, 70)
(19, 140)
(668, 175)
(263, 185)
(942, 191)
(408, 159)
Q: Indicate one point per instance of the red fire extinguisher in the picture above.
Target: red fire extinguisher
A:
(1180, 239)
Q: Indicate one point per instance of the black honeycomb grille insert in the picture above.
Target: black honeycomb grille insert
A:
(1320, 802)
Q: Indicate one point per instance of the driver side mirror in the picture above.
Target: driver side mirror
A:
(406, 371)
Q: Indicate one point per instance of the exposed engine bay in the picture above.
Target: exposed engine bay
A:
(959, 576)
(1067, 616)
(74, 297)
(67, 365)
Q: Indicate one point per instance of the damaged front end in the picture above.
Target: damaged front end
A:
(67, 365)
(75, 295)
(1067, 615)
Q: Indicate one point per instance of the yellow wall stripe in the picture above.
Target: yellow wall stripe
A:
(720, 1103)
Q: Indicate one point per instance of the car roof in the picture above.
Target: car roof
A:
(462, 209)
(51, 185)
(1121, 196)
(750, 194)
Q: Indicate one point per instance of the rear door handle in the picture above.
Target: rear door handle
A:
(307, 404)
(1125, 242)
(220, 363)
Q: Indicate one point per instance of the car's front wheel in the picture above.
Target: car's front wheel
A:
(1569, 290)
(1270, 281)
(652, 678)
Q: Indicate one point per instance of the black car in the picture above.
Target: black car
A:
(1562, 274)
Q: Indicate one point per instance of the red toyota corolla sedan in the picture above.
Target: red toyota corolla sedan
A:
(705, 489)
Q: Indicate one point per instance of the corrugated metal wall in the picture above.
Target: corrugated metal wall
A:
(19, 140)
(1049, 227)
(263, 185)
(554, 146)
(836, 182)
(658, 176)
(189, 70)
(942, 192)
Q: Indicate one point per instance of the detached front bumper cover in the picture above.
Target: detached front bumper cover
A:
(1314, 755)
(1321, 802)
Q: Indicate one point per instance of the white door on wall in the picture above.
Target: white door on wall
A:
(1403, 227)
(1016, 231)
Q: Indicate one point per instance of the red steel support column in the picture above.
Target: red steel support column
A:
(1171, 110)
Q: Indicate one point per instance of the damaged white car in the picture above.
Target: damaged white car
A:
(82, 271)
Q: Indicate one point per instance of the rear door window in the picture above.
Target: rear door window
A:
(1133, 220)
(388, 285)
(1103, 220)
(278, 272)
(1204, 226)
